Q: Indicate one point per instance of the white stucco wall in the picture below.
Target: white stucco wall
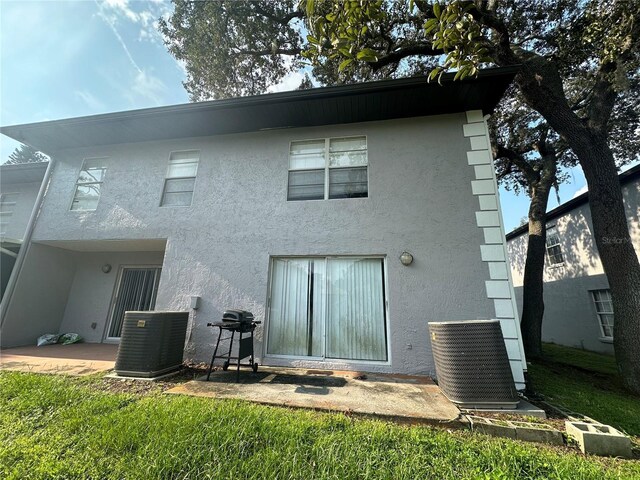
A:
(420, 200)
(570, 317)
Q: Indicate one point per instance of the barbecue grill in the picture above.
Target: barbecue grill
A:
(240, 322)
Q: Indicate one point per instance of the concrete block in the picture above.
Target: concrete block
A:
(488, 202)
(494, 429)
(599, 439)
(493, 235)
(479, 143)
(487, 218)
(483, 187)
(474, 116)
(483, 171)
(497, 270)
(479, 157)
(532, 432)
(473, 129)
(492, 253)
(504, 308)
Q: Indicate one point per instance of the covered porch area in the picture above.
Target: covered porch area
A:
(83, 287)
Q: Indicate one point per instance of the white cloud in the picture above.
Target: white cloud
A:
(122, 7)
(291, 81)
(90, 100)
(149, 87)
(580, 191)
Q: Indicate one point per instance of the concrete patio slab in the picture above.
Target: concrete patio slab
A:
(74, 359)
(396, 397)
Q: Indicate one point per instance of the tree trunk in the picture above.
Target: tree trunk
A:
(619, 258)
(533, 286)
(542, 88)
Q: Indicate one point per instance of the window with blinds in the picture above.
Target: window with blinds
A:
(328, 168)
(181, 178)
(89, 184)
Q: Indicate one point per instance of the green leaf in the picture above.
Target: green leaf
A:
(368, 55)
(310, 8)
(345, 64)
(312, 39)
(436, 9)
(430, 24)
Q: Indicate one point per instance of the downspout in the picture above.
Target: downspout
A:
(26, 243)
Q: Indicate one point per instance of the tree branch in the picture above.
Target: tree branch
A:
(516, 158)
(281, 20)
(404, 52)
(604, 93)
(279, 51)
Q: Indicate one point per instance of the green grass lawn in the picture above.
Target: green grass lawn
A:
(587, 383)
(59, 427)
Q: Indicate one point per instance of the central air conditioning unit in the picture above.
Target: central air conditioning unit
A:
(472, 366)
(152, 343)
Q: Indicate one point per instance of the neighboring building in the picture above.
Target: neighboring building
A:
(19, 187)
(295, 206)
(577, 302)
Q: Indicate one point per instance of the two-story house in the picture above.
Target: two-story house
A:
(577, 302)
(297, 206)
(19, 188)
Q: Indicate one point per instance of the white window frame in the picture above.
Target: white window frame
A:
(604, 337)
(547, 246)
(78, 183)
(324, 359)
(168, 177)
(6, 213)
(327, 168)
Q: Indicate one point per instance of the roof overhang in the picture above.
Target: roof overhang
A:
(370, 101)
(22, 173)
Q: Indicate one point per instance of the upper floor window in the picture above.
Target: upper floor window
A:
(554, 251)
(328, 168)
(89, 184)
(7, 206)
(604, 310)
(180, 179)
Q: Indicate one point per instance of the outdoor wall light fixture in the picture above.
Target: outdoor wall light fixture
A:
(106, 268)
(406, 258)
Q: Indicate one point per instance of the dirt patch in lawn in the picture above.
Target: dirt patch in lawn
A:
(150, 387)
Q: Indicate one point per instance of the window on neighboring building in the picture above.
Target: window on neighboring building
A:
(328, 168)
(554, 251)
(181, 179)
(89, 184)
(7, 206)
(327, 307)
(604, 310)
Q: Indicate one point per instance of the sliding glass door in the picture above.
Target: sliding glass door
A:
(328, 307)
(136, 291)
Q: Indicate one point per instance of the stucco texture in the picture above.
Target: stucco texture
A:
(570, 317)
(220, 247)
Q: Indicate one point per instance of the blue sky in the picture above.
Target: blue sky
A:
(62, 59)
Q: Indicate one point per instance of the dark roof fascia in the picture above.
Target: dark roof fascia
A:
(625, 177)
(35, 131)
